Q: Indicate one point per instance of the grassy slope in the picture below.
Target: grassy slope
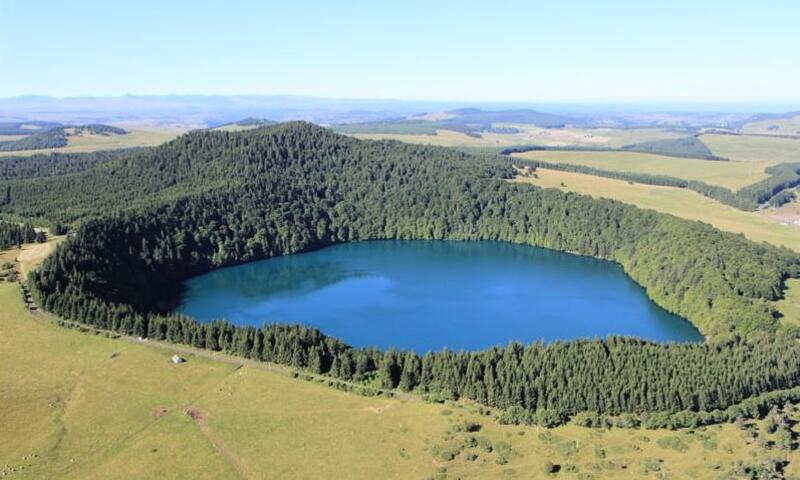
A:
(72, 411)
(731, 174)
(786, 126)
(789, 306)
(755, 149)
(675, 201)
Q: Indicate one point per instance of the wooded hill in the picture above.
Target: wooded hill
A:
(210, 199)
(469, 121)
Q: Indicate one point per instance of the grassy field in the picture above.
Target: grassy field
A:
(755, 149)
(78, 405)
(136, 137)
(790, 305)
(781, 126)
(733, 175)
(530, 134)
(675, 201)
(10, 138)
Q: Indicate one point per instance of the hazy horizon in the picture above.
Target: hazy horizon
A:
(777, 106)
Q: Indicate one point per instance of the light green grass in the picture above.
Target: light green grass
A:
(780, 126)
(789, 306)
(733, 175)
(756, 149)
(70, 410)
(680, 202)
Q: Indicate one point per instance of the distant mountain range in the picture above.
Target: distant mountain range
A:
(202, 111)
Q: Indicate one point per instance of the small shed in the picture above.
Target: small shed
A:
(177, 359)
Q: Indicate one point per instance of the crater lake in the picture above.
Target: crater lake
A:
(428, 295)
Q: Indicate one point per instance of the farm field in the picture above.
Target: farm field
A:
(757, 149)
(136, 137)
(674, 201)
(531, 134)
(11, 138)
(64, 417)
(779, 126)
(732, 174)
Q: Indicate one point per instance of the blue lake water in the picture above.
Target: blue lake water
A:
(427, 295)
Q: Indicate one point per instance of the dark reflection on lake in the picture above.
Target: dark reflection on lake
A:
(426, 295)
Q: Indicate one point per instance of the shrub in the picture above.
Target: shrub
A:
(515, 415)
(549, 418)
(673, 443)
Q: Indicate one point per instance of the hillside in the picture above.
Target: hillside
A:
(690, 147)
(210, 199)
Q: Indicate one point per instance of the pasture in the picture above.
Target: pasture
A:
(680, 202)
(778, 126)
(732, 174)
(83, 405)
(760, 150)
(533, 135)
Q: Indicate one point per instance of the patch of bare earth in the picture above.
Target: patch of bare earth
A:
(788, 214)
(376, 410)
(159, 411)
(195, 415)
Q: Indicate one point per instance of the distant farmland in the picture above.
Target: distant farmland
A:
(730, 174)
(777, 126)
(136, 137)
(529, 135)
(757, 149)
(680, 202)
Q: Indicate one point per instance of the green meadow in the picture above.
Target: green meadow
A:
(730, 174)
(87, 405)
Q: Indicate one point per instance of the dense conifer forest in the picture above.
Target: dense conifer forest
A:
(150, 219)
(52, 164)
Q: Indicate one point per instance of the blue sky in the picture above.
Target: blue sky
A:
(554, 51)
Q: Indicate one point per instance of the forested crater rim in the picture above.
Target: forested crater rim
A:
(207, 201)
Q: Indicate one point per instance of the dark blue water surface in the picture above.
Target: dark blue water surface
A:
(427, 295)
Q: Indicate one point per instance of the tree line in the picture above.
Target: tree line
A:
(14, 235)
(15, 168)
